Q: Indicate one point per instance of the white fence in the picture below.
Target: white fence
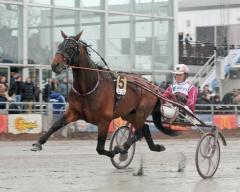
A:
(35, 117)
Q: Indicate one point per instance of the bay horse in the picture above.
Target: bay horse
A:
(92, 98)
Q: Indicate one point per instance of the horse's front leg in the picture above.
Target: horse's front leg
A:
(102, 136)
(68, 117)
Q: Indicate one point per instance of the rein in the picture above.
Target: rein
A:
(89, 69)
(97, 84)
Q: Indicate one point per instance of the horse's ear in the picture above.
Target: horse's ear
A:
(63, 35)
(77, 37)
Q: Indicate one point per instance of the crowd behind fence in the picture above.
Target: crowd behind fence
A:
(17, 120)
(57, 109)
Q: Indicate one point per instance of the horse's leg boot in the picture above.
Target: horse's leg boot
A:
(119, 149)
(36, 147)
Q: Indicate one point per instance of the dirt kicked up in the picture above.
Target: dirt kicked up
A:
(75, 166)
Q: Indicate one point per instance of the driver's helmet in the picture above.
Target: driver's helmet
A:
(169, 112)
(181, 69)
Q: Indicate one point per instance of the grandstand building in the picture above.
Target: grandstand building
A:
(214, 26)
(132, 35)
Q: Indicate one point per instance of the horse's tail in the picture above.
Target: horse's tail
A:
(156, 116)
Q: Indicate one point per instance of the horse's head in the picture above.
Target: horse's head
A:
(67, 53)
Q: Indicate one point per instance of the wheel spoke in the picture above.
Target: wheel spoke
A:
(119, 137)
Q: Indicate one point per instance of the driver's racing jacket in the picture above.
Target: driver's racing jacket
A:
(185, 88)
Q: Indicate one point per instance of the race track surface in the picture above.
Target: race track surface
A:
(75, 166)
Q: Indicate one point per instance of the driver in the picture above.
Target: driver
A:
(181, 90)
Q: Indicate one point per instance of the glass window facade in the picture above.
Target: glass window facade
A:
(143, 43)
(118, 41)
(39, 35)
(131, 35)
(11, 30)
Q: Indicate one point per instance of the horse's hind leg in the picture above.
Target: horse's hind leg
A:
(144, 132)
(152, 146)
(61, 122)
(102, 136)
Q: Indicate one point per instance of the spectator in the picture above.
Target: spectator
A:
(188, 40)
(238, 60)
(64, 88)
(37, 91)
(227, 68)
(206, 91)
(59, 102)
(180, 43)
(28, 94)
(55, 84)
(4, 97)
(18, 88)
(215, 86)
(204, 99)
(228, 97)
(217, 101)
(47, 90)
(236, 97)
(3, 80)
(12, 86)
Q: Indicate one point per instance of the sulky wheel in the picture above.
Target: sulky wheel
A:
(123, 157)
(207, 156)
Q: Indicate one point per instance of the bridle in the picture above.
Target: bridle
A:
(70, 48)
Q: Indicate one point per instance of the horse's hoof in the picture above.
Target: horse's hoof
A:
(36, 147)
(157, 148)
(123, 156)
(160, 148)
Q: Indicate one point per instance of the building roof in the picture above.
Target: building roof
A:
(191, 5)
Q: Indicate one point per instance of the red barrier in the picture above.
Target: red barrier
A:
(225, 121)
(3, 124)
(180, 128)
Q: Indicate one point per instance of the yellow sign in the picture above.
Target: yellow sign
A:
(25, 123)
(21, 124)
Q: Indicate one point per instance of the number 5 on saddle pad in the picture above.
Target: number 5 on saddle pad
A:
(121, 86)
